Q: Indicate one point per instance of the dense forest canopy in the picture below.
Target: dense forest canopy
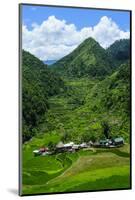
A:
(38, 83)
(119, 51)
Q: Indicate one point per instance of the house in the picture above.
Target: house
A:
(76, 147)
(60, 147)
(43, 149)
(118, 141)
(37, 153)
(111, 142)
(83, 145)
(105, 143)
(90, 143)
(68, 147)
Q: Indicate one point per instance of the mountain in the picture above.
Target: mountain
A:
(49, 62)
(88, 59)
(38, 84)
(85, 79)
(119, 51)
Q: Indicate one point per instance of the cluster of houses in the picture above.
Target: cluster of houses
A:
(116, 142)
(72, 147)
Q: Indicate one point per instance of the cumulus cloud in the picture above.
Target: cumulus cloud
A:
(54, 38)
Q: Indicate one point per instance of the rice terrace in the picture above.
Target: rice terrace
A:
(75, 111)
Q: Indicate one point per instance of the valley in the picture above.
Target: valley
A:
(83, 97)
(83, 170)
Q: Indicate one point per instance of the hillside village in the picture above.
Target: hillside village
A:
(72, 147)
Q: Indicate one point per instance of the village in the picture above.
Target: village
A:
(72, 147)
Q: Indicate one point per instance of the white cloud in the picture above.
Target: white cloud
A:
(55, 38)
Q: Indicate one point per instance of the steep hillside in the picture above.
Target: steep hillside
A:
(109, 100)
(38, 83)
(88, 59)
(118, 90)
(119, 51)
(114, 91)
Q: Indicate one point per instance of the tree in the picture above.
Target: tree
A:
(67, 136)
(106, 129)
(51, 145)
(86, 137)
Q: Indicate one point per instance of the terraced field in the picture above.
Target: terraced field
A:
(94, 169)
(84, 170)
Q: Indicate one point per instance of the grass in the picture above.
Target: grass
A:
(79, 171)
(103, 184)
(82, 170)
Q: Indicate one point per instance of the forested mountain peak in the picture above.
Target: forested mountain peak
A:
(88, 59)
(89, 41)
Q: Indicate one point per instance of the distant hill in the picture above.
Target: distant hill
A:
(119, 51)
(88, 59)
(49, 62)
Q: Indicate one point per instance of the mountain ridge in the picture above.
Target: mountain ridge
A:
(88, 59)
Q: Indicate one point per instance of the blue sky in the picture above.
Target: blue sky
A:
(80, 17)
(53, 32)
